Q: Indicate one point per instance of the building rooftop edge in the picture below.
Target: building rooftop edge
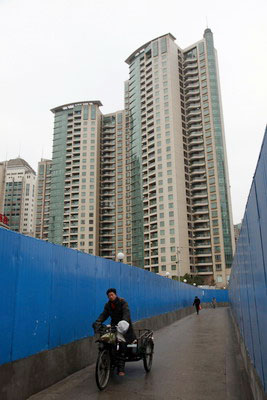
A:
(128, 60)
(18, 163)
(69, 105)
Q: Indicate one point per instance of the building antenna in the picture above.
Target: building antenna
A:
(19, 149)
(207, 21)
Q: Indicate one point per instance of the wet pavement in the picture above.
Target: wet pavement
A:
(196, 358)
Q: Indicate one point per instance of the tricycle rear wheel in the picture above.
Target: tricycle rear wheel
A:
(148, 356)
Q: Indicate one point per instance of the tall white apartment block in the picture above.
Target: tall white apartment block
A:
(181, 208)
(90, 186)
(19, 195)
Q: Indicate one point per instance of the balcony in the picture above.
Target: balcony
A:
(197, 171)
(191, 93)
(190, 63)
(196, 148)
(197, 155)
(198, 187)
(191, 85)
(199, 194)
(199, 202)
(200, 210)
(202, 227)
(203, 244)
(198, 163)
(196, 134)
(204, 270)
(192, 100)
(200, 236)
(195, 112)
(194, 127)
(198, 178)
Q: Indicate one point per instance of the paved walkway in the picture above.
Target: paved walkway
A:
(195, 358)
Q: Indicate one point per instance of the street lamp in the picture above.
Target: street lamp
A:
(120, 257)
(185, 280)
(194, 284)
(167, 274)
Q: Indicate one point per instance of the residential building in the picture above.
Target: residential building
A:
(90, 181)
(181, 208)
(75, 177)
(19, 195)
(42, 203)
(151, 180)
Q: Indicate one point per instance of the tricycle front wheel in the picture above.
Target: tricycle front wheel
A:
(148, 356)
(102, 371)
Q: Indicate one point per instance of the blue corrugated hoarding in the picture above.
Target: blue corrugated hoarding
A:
(50, 295)
(248, 283)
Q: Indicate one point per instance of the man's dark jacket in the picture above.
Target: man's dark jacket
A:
(196, 302)
(118, 310)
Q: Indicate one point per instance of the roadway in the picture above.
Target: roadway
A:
(195, 358)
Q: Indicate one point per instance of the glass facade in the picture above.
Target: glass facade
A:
(219, 145)
(55, 233)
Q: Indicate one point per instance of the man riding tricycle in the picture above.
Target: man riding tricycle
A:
(117, 342)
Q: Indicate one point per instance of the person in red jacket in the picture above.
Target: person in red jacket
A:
(197, 304)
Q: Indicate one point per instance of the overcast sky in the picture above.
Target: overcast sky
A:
(60, 51)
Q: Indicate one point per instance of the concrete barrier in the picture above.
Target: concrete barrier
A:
(253, 377)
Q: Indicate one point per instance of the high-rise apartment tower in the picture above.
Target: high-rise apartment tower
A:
(90, 186)
(181, 208)
(17, 198)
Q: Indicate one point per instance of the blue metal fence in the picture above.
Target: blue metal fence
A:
(248, 283)
(221, 296)
(50, 295)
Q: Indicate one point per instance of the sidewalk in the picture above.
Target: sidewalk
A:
(196, 358)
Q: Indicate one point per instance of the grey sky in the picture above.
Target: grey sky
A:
(59, 51)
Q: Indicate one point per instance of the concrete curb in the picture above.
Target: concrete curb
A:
(253, 377)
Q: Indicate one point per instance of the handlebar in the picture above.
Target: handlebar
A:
(102, 329)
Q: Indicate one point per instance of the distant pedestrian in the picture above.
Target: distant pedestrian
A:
(197, 304)
(213, 302)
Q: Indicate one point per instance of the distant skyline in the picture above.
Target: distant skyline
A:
(56, 52)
